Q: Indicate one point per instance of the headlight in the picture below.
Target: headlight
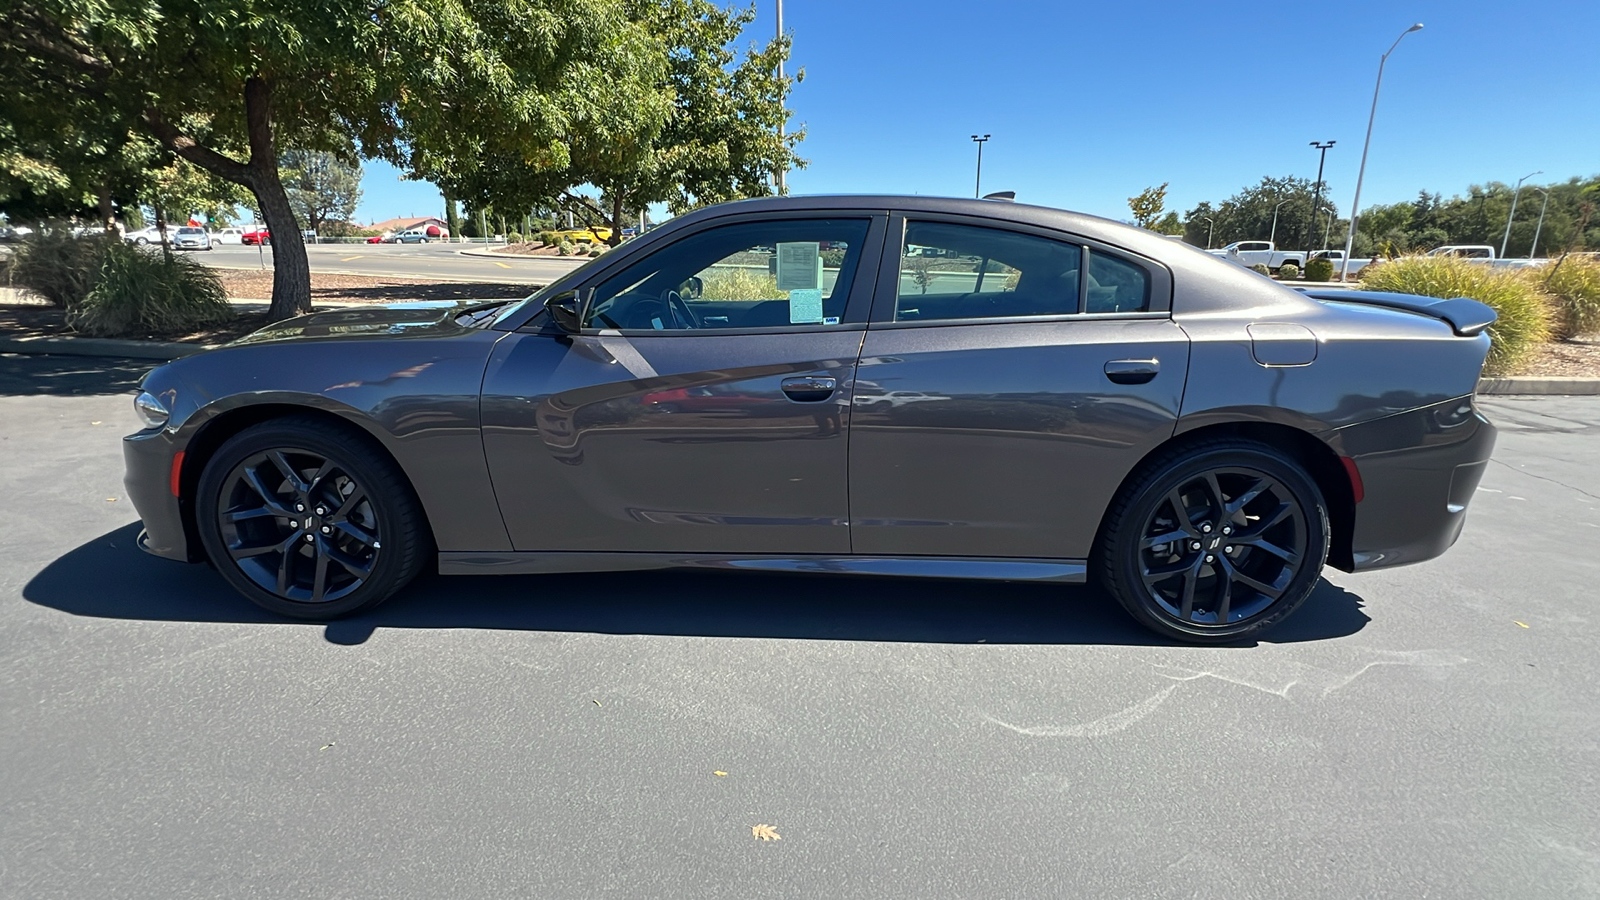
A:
(150, 410)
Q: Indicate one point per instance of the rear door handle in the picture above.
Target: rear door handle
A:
(1132, 371)
(810, 388)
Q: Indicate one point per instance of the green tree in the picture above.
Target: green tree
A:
(700, 127)
(180, 189)
(425, 84)
(1148, 204)
(322, 187)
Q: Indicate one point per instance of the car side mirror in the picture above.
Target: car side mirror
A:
(565, 311)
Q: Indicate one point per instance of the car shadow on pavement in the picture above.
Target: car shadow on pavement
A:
(110, 578)
(70, 376)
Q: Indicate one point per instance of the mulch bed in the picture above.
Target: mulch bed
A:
(1577, 358)
(37, 319)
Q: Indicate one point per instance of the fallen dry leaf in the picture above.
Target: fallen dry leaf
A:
(765, 833)
(1519, 623)
(327, 745)
(113, 500)
(94, 423)
(720, 774)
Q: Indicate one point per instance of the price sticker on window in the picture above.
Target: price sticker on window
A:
(799, 266)
(805, 307)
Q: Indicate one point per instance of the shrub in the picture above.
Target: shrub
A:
(1574, 286)
(1261, 268)
(564, 249)
(1524, 311)
(1319, 269)
(1288, 271)
(138, 290)
(739, 284)
(596, 250)
(59, 267)
(514, 238)
(547, 238)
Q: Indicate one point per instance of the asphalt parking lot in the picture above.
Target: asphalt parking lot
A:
(1429, 731)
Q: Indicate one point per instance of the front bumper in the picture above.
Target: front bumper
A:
(147, 462)
(1418, 470)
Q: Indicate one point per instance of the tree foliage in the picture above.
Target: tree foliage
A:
(1148, 204)
(322, 187)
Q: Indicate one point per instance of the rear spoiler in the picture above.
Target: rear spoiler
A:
(1466, 316)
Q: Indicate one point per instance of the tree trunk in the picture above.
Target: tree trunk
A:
(452, 218)
(291, 270)
(616, 220)
(161, 230)
(108, 217)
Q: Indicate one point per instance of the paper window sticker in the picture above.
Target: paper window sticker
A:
(805, 307)
(799, 266)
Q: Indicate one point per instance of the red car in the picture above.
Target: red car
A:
(259, 236)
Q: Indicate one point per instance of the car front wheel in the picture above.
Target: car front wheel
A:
(1215, 543)
(309, 520)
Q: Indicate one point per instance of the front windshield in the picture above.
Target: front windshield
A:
(538, 297)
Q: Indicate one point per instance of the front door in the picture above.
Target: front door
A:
(1010, 380)
(704, 406)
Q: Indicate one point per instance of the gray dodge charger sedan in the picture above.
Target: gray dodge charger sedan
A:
(901, 386)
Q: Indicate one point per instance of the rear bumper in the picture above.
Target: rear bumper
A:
(147, 465)
(1419, 470)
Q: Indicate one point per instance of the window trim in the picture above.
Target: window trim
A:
(888, 284)
(858, 304)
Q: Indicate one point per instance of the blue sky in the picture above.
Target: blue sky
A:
(1090, 103)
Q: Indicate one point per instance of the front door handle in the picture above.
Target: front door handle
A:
(1132, 371)
(810, 388)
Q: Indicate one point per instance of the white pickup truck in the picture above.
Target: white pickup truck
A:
(1484, 254)
(1260, 253)
(1337, 257)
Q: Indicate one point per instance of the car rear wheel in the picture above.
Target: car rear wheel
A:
(1215, 543)
(309, 520)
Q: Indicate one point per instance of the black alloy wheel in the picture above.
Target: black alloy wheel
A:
(308, 521)
(1218, 544)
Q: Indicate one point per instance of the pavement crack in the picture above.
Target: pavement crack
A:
(1544, 478)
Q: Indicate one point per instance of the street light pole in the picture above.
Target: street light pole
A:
(1210, 229)
(1273, 238)
(1355, 206)
(1504, 240)
(1316, 199)
(1532, 252)
(1327, 229)
(978, 185)
(780, 180)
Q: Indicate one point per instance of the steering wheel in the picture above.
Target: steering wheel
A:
(680, 310)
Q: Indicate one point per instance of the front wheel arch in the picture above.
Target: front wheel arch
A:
(216, 431)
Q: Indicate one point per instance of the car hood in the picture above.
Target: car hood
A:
(392, 320)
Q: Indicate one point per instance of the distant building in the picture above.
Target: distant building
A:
(388, 225)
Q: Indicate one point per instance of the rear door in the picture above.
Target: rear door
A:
(704, 407)
(1010, 379)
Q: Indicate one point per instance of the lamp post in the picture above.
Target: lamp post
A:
(780, 180)
(1327, 229)
(1273, 238)
(976, 187)
(1355, 206)
(1533, 251)
(1316, 199)
(1211, 227)
(1504, 240)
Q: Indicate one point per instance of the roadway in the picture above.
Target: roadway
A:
(1427, 731)
(444, 262)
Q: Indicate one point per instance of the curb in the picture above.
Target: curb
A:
(82, 346)
(1535, 386)
(490, 254)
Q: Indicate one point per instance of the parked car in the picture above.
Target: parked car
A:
(386, 238)
(227, 236)
(419, 235)
(256, 236)
(189, 237)
(596, 235)
(1120, 407)
(1261, 253)
(1484, 255)
(11, 234)
(150, 235)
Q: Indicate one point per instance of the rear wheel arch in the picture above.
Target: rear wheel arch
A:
(216, 431)
(1319, 460)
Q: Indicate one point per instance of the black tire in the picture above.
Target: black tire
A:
(1222, 584)
(359, 553)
